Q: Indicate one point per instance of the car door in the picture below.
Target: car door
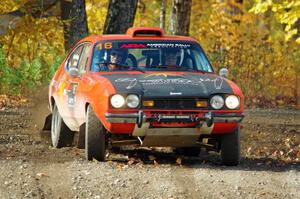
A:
(70, 87)
(79, 86)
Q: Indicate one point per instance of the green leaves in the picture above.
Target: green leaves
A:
(17, 80)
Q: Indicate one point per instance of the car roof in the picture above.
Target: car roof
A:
(138, 33)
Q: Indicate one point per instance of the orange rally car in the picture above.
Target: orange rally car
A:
(145, 88)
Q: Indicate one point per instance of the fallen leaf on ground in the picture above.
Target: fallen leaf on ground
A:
(130, 162)
(155, 163)
(151, 157)
(298, 154)
(179, 161)
(249, 149)
(42, 175)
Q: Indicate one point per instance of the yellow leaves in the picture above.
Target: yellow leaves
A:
(261, 66)
(96, 14)
(10, 5)
(253, 48)
(286, 12)
(33, 38)
(290, 33)
(260, 7)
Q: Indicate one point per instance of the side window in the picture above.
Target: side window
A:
(74, 58)
(84, 58)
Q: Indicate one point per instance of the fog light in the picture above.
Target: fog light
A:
(201, 104)
(148, 103)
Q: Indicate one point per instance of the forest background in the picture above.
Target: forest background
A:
(258, 41)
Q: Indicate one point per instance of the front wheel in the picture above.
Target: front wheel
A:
(230, 148)
(61, 135)
(95, 146)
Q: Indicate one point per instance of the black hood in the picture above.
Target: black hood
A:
(169, 85)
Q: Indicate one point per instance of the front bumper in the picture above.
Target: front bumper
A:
(140, 118)
(172, 129)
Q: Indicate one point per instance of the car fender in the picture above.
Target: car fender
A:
(98, 97)
(238, 92)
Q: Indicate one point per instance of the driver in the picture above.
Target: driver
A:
(171, 56)
(117, 57)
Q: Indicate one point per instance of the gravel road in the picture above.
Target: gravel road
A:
(31, 168)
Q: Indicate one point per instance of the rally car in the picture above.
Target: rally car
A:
(144, 88)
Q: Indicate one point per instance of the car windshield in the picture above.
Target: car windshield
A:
(149, 56)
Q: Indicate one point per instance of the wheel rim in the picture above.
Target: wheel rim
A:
(56, 120)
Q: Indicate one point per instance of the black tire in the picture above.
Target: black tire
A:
(81, 137)
(188, 151)
(230, 148)
(95, 146)
(61, 135)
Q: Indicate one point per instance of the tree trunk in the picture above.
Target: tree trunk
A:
(162, 17)
(76, 27)
(180, 17)
(297, 68)
(298, 87)
(120, 16)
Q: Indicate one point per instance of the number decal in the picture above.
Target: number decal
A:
(106, 45)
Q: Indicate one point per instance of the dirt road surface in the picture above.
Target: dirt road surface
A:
(31, 168)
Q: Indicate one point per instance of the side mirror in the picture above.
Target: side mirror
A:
(224, 72)
(74, 72)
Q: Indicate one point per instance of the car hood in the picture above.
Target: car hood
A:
(151, 85)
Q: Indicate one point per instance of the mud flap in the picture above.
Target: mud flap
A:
(47, 124)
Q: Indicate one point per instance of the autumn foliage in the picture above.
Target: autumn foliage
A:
(253, 40)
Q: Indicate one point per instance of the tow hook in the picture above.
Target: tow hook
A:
(209, 119)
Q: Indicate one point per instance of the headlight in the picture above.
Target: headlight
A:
(217, 102)
(132, 101)
(117, 101)
(232, 102)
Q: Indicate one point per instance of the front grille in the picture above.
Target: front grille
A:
(182, 103)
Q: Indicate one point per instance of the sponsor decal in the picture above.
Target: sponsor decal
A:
(72, 94)
(168, 45)
(54, 83)
(180, 81)
(162, 74)
(132, 82)
(61, 88)
(133, 46)
(175, 93)
(218, 82)
(167, 84)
